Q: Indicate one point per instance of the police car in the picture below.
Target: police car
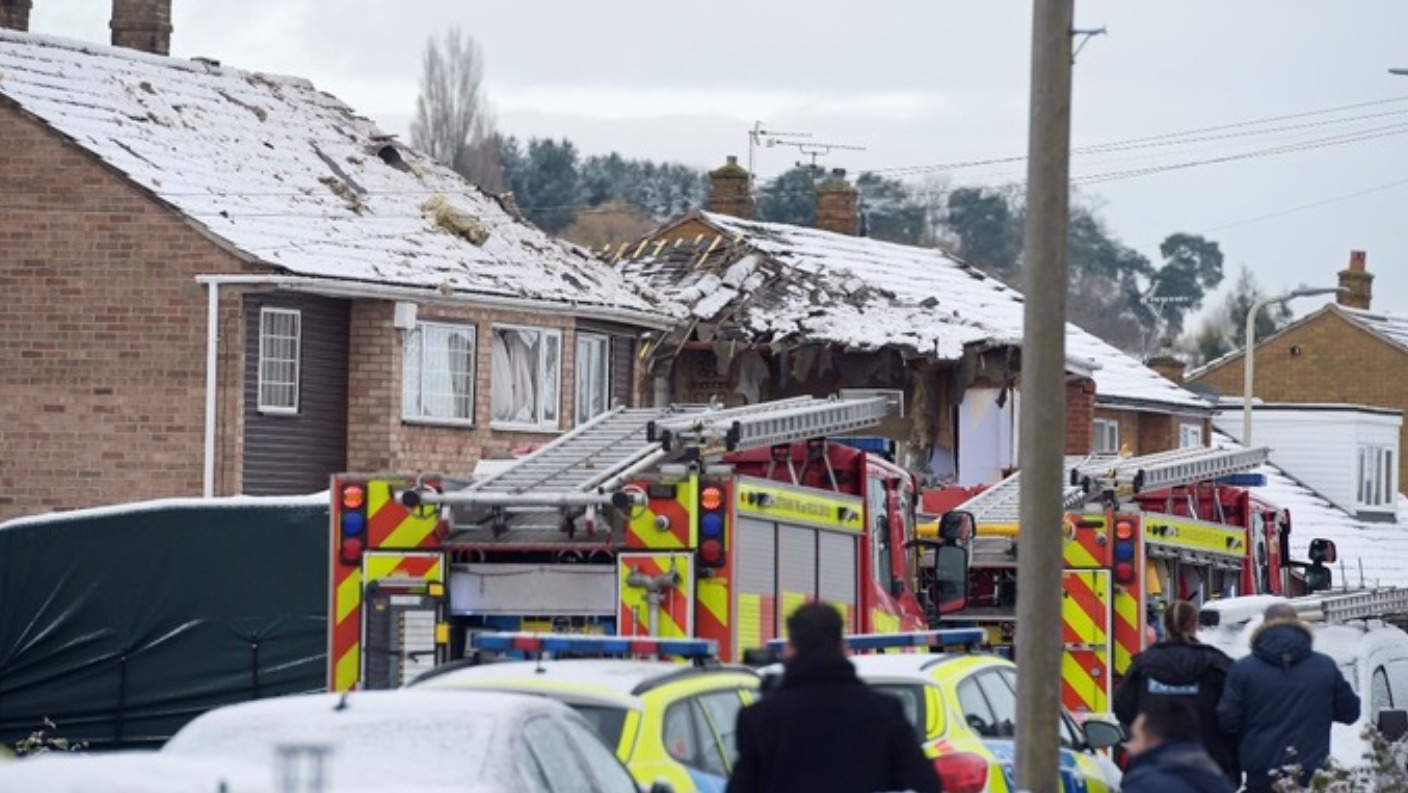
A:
(668, 722)
(964, 707)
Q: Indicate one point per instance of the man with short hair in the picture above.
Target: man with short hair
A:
(822, 729)
(1167, 754)
(1280, 700)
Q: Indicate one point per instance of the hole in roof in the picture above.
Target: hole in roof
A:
(392, 157)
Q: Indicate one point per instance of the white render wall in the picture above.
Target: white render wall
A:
(1319, 444)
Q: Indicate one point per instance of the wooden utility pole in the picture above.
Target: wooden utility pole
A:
(1043, 408)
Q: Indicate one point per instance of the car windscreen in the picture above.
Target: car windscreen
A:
(608, 722)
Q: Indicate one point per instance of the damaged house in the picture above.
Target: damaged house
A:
(769, 310)
(220, 281)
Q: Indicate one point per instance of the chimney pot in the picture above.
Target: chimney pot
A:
(1358, 283)
(730, 190)
(14, 14)
(142, 25)
(838, 204)
(1169, 367)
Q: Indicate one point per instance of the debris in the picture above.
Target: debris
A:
(346, 193)
(453, 219)
(146, 86)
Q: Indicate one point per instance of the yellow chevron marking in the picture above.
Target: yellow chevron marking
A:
(348, 668)
(713, 596)
(411, 533)
(349, 596)
(750, 623)
(1077, 555)
(1080, 681)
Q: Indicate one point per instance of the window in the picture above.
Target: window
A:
(593, 375)
(557, 764)
(1107, 436)
(721, 708)
(1189, 435)
(689, 739)
(525, 382)
(1003, 699)
(1377, 478)
(911, 699)
(437, 383)
(1380, 695)
(878, 504)
(602, 763)
(976, 710)
(279, 331)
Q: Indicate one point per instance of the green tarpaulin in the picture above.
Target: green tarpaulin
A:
(120, 625)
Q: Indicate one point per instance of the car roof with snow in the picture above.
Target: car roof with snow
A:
(612, 681)
(915, 665)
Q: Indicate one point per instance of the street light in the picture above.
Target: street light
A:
(1251, 349)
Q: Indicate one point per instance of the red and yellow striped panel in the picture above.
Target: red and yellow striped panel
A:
(346, 659)
(1085, 636)
(677, 515)
(676, 613)
(1086, 543)
(711, 614)
(1128, 625)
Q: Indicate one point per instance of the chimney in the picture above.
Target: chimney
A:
(728, 190)
(837, 204)
(14, 14)
(1168, 367)
(142, 25)
(1358, 281)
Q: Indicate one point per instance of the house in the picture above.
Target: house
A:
(1345, 453)
(1343, 353)
(220, 282)
(769, 310)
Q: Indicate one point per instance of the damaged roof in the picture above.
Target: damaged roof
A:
(290, 176)
(772, 282)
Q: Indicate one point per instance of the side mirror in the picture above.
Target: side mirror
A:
(1318, 578)
(951, 578)
(1392, 724)
(956, 526)
(1100, 734)
(1322, 551)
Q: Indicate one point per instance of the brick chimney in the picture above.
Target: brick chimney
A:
(837, 204)
(14, 14)
(728, 190)
(1358, 281)
(1168, 367)
(142, 25)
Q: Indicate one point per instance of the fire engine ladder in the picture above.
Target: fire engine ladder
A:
(1123, 476)
(1000, 504)
(1331, 607)
(587, 467)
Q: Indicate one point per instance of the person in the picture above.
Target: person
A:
(1180, 667)
(1167, 754)
(823, 728)
(1280, 700)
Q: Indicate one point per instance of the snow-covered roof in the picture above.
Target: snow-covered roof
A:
(774, 282)
(289, 176)
(1392, 328)
(1380, 549)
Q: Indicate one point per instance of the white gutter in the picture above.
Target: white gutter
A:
(368, 292)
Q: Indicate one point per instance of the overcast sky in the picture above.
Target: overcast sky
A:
(916, 84)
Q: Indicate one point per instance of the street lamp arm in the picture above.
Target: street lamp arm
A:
(1249, 350)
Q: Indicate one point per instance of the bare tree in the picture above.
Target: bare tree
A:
(454, 123)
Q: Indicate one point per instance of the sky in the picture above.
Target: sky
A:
(930, 83)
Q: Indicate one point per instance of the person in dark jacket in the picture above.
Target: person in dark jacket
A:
(1280, 701)
(1167, 754)
(1179, 667)
(823, 728)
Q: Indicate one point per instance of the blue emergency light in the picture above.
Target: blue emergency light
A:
(597, 646)
(868, 443)
(885, 641)
(1242, 480)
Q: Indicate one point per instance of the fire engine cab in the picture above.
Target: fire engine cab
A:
(680, 522)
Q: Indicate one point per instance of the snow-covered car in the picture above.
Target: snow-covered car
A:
(404, 741)
(1372, 655)
(125, 772)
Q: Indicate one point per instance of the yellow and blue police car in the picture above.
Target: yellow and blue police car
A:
(670, 722)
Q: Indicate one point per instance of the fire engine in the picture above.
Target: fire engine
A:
(679, 522)
(1140, 532)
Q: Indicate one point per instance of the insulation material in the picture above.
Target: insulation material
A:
(752, 374)
(987, 437)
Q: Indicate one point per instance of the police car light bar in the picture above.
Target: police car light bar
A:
(594, 645)
(885, 641)
(1242, 480)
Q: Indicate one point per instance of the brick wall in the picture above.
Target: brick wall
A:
(1080, 416)
(377, 437)
(1326, 358)
(102, 384)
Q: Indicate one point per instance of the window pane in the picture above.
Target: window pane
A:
(722, 708)
(410, 374)
(551, 748)
(975, 709)
(278, 359)
(513, 380)
(678, 734)
(593, 376)
(551, 375)
(1003, 701)
(439, 372)
(711, 753)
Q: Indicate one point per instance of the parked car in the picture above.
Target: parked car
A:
(666, 721)
(407, 740)
(126, 772)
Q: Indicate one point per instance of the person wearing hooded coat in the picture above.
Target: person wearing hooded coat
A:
(822, 728)
(1281, 699)
(1166, 752)
(1182, 668)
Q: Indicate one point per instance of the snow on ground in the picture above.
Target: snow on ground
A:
(229, 502)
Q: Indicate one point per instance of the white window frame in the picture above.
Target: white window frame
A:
(414, 371)
(582, 381)
(1099, 430)
(1376, 486)
(266, 315)
(1190, 436)
(540, 424)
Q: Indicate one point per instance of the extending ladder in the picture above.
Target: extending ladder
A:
(1122, 475)
(1344, 606)
(1001, 503)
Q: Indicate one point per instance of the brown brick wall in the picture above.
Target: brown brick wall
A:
(102, 384)
(378, 439)
(1080, 416)
(1327, 358)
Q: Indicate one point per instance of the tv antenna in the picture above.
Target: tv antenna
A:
(1161, 323)
(757, 136)
(815, 150)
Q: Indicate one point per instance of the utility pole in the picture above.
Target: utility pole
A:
(1043, 416)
